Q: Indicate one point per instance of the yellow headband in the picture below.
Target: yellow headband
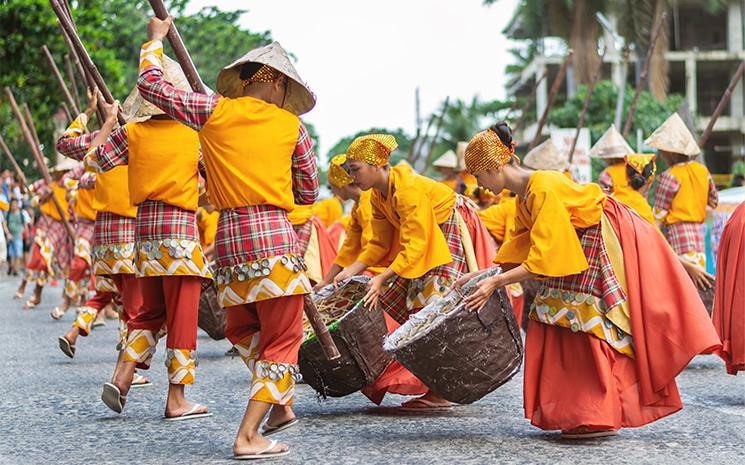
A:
(639, 161)
(486, 151)
(373, 149)
(338, 176)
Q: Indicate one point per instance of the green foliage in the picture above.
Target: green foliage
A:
(112, 32)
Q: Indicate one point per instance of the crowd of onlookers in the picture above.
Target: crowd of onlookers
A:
(17, 213)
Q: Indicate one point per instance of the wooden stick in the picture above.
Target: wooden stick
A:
(437, 130)
(322, 332)
(551, 96)
(420, 140)
(720, 106)
(67, 112)
(588, 97)
(179, 49)
(39, 160)
(16, 167)
(86, 61)
(643, 75)
(31, 125)
(60, 80)
(528, 102)
(71, 78)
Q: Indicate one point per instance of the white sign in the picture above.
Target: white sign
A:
(581, 168)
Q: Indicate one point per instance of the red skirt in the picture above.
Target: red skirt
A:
(576, 379)
(729, 300)
(395, 379)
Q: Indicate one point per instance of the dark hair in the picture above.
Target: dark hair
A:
(249, 69)
(636, 180)
(504, 132)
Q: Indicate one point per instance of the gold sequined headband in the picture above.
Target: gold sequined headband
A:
(338, 176)
(265, 74)
(639, 161)
(373, 149)
(486, 151)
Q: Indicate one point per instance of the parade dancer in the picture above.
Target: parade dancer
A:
(640, 172)
(439, 237)
(611, 148)
(260, 164)
(602, 352)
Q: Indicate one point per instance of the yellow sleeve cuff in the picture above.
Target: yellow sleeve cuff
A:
(151, 55)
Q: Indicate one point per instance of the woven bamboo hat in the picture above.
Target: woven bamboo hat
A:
(546, 157)
(447, 160)
(674, 136)
(611, 145)
(299, 99)
(136, 109)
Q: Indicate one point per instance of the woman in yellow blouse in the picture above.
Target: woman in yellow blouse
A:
(594, 358)
(439, 236)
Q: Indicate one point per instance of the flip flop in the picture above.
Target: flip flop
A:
(263, 454)
(268, 430)
(140, 381)
(98, 323)
(56, 314)
(589, 434)
(113, 397)
(17, 296)
(429, 406)
(190, 415)
(30, 304)
(65, 346)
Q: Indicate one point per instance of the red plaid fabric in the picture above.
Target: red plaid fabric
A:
(606, 182)
(194, 110)
(112, 229)
(686, 237)
(599, 280)
(250, 233)
(57, 235)
(393, 299)
(158, 220)
(75, 147)
(114, 152)
(303, 232)
(84, 230)
(667, 187)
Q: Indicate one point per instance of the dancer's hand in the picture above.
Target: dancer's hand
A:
(157, 29)
(462, 281)
(374, 289)
(476, 300)
(700, 277)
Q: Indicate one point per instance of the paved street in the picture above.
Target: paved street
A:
(50, 412)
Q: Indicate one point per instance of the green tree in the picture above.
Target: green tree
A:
(112, 32)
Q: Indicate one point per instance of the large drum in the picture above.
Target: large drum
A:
(707, 297)
(460, 355)
(212, 317)
(358, 335)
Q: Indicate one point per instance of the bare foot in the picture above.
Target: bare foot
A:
(430, 400)
(245, 446)
(176, 409)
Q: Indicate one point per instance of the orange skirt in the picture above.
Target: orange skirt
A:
(395, 379)
(576, 379)
(729, 300)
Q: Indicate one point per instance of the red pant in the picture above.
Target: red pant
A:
(173, 300)
(36, 262)
(78, 269)
(131, 296)
(280, 322)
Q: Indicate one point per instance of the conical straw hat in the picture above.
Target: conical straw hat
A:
(546, 157)
(299, 99)
(611, 145)
(136, 109)
(447, 160)
(674, 136)
(460, 152)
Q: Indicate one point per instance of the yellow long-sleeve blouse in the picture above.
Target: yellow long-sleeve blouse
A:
(328, 210)
(545, 240)
(499, 219)
(413, 207)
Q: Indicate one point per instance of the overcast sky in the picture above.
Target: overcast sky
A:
(364, 59)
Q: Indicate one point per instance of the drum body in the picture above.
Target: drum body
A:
(707, 297)
(212, 317)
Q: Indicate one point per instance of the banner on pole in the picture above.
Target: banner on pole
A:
(581, 168)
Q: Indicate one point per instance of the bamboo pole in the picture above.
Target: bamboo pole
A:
(60, 80)
(16, 167)
(39, 160)
(643, 75)
(720, 106)
(67, 112)
(319, 327)
(590, 88)
(420, 141)
(528, 102)
(179, 49)
(431, 150)
(71, 78)
(555, 86)
(31, 125)
(79, 48)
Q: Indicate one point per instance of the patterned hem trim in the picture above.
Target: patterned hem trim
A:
(264, 279)
(182, 366)
(696, 258)
(75, 288)
(140, 347)
(171, 257)
(83, 249)
(274, 382)
(114, 259)
(85, 320)
(580, 312)
(105, 284)
(424, 291)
